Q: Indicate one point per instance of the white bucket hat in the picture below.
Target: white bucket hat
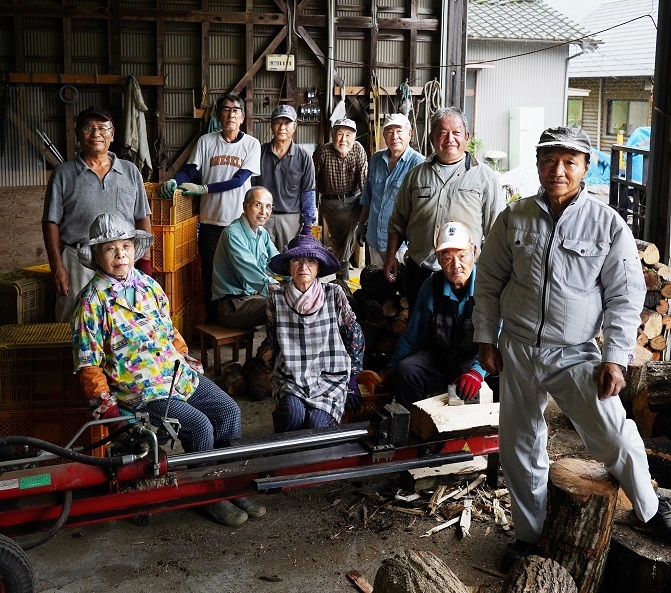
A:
(110, 227)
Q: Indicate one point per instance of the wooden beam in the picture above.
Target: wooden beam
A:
(365, 22)
(19, 44)
(181, 159)
(68, 108)
(249, 63)
(160, 95)
(312, 45)
(363, 90)
(204, 49)
(412, 53)
(260, 61)
(82, 79)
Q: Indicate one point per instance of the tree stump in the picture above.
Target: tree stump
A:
(413, 571)
(638, 562)
(535, 574)
(582, 497)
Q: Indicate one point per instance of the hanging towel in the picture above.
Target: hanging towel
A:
(134, 128)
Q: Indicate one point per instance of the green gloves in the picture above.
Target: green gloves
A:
(167, 189)
(193, 189)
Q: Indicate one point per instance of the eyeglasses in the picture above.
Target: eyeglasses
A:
(311, 262)
(235, 110)
(103, 130)
(261, 206)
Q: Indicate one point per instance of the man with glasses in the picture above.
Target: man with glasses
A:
(96, 181)
(288, 173)
(240, 280)
(223, 162)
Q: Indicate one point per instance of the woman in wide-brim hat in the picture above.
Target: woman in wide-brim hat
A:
(126, 347)
(316, 341)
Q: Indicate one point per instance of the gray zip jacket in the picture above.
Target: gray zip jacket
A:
(556, 283)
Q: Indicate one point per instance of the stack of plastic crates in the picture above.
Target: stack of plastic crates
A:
(174, 255)
(26, 296)
(39, 394)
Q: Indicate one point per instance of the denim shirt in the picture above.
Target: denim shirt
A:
(379, 192)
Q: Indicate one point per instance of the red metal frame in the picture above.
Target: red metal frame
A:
(97, 497)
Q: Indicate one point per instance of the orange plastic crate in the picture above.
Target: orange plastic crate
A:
(171, 211)
(174, 245)
(178, 285)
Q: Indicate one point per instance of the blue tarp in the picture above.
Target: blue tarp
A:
(599, 167)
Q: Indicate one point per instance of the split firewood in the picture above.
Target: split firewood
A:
(657, 383)
(666, 321)
(665, 290)
(653, 326)
(442, 526)
(500, 515)
(373, 311)
(470, 487)
(648, 252)
(390, 308)
(435, 497)
(663, 271)
(404, 302)
(652, 299)
(465, 520)
(398, 325)
(642, 339)
(359, 581)
(644, 315)
(652, 280)
(404, 314)
(658, 343)
(663, 307)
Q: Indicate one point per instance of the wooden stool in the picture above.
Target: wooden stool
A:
(218, 336)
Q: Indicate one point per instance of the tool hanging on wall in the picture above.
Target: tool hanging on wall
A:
(50, 145)
(374, 115)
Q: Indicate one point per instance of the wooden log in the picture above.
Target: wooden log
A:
(666, 321)
(404, 302)
(663, 307)
(652, 299)
(582, 497)
(373, 311)
(404, 314)
(644, 315)
(658, 450)
(652, 280)
(640, 410)
(648, 252)
(398, 325)
(663, 271)
(658, 343)
(641, 339)
(665, 290)
(658, 376)
(634, 378)
(638, 561)
(414, 571)
(391, 309)
(538, 575)
(653, 326)
(359, 581)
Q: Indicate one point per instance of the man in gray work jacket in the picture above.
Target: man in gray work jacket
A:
(556, 269)
(449, 185)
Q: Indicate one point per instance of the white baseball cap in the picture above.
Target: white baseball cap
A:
(345, 122)
(397, 119)
(453, 235)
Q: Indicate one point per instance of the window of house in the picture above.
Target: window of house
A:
(574, 112)
(625, 116)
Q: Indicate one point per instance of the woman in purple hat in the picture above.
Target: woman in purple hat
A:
(316, 340)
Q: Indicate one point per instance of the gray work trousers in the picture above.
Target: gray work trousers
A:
(569, 374)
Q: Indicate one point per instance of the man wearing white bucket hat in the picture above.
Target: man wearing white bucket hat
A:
(437, 348)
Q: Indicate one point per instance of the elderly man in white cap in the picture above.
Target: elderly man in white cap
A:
(558, 269)
(437, 348)
(340, 172)
(386, 171)
(289, 175)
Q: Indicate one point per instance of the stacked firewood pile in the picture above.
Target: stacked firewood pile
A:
(382, 311)
(653, 333)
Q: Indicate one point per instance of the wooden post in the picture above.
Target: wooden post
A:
(546, 575)
(582, 497)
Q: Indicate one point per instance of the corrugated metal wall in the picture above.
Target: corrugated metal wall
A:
(499, 88)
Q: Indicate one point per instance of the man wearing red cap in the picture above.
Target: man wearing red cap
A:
(96, 181)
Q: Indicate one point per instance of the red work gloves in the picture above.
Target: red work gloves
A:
(144, 265)
(468, 384)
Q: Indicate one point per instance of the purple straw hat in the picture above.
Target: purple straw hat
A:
(302, 246)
